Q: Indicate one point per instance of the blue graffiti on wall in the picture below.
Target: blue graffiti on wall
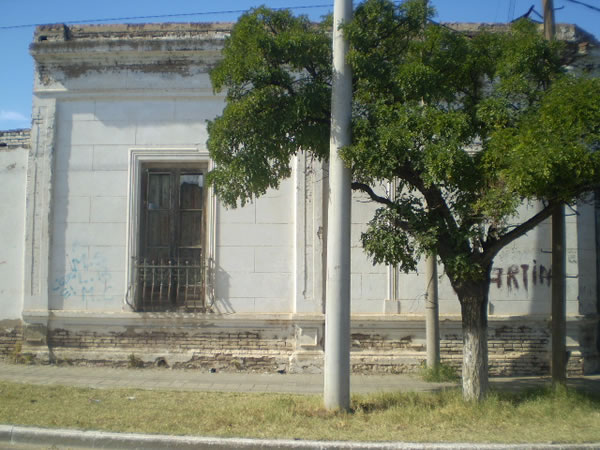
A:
(86, 276)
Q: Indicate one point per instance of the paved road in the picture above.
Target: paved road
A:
(103, 377)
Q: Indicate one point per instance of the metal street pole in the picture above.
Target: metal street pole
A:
(559, 304)
(559, 313)
(337, 308)
(432, 320)
(548, 7)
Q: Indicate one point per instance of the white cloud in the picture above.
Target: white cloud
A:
(12, 116)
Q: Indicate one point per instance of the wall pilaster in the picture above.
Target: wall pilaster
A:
(38, 218)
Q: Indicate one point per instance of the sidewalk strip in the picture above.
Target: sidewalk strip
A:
(98, 439)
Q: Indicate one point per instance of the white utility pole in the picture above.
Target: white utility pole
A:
(337, 307)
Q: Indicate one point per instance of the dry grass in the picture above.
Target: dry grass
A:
(534, 416)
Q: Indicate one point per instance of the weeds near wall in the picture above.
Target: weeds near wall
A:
(18, 357)
(441, 374)
(133, 362)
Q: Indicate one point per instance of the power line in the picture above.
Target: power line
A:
(595, 8)
(161, 16)
(511, 10)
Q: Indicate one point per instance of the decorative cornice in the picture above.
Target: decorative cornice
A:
(183, 49)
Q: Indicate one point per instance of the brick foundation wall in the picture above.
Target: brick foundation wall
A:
(10, 338)
(245, 350)
(514, 347)
(15, 139)
(512, 350)
(378, 342)
(173, 341)
(378, 364)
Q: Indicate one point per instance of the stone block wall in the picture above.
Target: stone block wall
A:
(11, 336)
(512, 350)
(516, 348)
(15, 139)
(14, 153)
(378, 342)
(242, 350)
(172, 341)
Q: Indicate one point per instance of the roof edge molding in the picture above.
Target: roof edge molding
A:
(162, 47)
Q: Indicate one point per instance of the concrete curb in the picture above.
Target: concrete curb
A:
(100, 439)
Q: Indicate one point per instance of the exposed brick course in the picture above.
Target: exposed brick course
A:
(10, 338)
(514, 349)
(14, 139)
(378, 342)
(173, 341)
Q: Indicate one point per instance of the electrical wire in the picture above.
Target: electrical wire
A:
(511, 10)
(161, 16)
(592, 7)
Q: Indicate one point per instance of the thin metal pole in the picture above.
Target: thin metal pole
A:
(432, 323)
(559, 303)
(337, 309)
(549, 27)
(432, 320)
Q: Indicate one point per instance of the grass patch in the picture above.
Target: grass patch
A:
(440, 374)
(542, 415)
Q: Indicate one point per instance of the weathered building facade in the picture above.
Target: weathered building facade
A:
(116, 249)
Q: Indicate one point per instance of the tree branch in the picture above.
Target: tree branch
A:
(492, 247)
(404, 225)
(369, 191)
(437, 205)
(433, 196)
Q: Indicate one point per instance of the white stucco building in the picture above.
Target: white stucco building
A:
(113, 246)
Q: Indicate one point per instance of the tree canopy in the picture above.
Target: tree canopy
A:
(465, 127)
(276, 69)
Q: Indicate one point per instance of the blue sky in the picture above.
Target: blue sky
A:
(16, 74)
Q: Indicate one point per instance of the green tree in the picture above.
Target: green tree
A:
(465, 127)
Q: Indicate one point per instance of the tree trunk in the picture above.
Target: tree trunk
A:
(473, 300)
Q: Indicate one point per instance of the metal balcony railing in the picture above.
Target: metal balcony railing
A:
(169, 285)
